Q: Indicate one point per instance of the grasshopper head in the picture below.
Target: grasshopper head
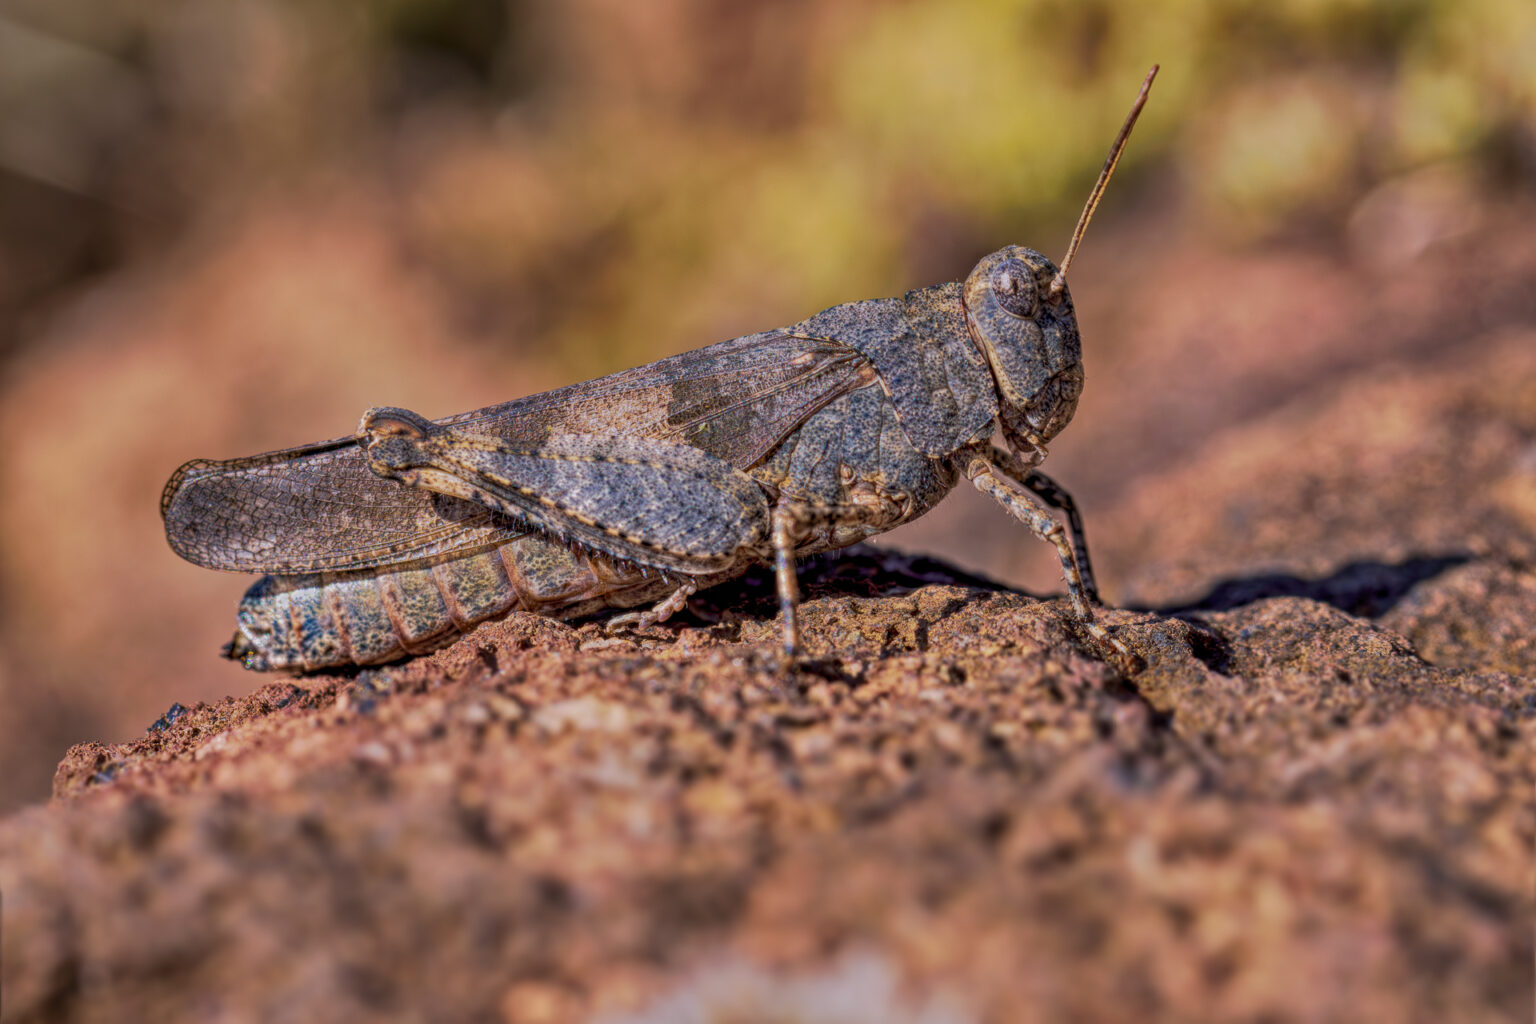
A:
(1028, 332)
(1020, 314)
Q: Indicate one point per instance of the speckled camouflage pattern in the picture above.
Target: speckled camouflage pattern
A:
(614, 493)
(318, 507)
(314, 621)
(872, 481)
(927, 362)
(656, 481)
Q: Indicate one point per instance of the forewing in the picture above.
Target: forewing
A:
(316, 508)
(319, 507)
(735, 400)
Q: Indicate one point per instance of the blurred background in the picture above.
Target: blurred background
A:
(231, 226)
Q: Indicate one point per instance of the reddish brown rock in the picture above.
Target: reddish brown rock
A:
(1309, 465)
(958, 815)
(1314, 804)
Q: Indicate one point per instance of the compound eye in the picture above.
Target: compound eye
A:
(1014, 286)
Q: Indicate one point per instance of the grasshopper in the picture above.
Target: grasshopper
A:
(647, 485)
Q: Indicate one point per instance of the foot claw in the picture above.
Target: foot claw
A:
(1115, 654)
(629, 621)
(645, 620)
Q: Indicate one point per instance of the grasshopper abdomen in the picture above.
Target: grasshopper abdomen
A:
(316, 621)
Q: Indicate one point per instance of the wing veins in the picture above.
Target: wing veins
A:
(268, 494)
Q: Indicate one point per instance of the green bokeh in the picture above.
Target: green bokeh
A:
(615, 180)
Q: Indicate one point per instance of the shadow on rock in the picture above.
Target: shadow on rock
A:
(1367, 589)
(858, 571)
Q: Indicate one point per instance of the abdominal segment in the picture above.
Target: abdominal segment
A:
(305, 623)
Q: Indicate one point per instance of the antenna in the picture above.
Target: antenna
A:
(1060, 280)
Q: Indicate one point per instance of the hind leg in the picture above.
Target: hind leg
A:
(663, 611)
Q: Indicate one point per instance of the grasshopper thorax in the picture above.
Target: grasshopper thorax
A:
(1028, 332)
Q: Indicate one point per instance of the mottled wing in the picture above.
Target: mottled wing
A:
(735, 400)
(316, 508)
(319, 508)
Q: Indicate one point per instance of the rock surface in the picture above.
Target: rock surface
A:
(1315, 804)
(958, 815)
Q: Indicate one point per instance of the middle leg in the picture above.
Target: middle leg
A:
(784, 534)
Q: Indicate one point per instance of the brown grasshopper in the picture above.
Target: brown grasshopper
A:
(655, 482)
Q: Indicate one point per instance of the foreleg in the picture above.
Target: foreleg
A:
(1056, 496)
(1026, 475)
(983, 472)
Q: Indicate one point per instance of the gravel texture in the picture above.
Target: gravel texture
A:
(1315, 804)
(956, 814)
